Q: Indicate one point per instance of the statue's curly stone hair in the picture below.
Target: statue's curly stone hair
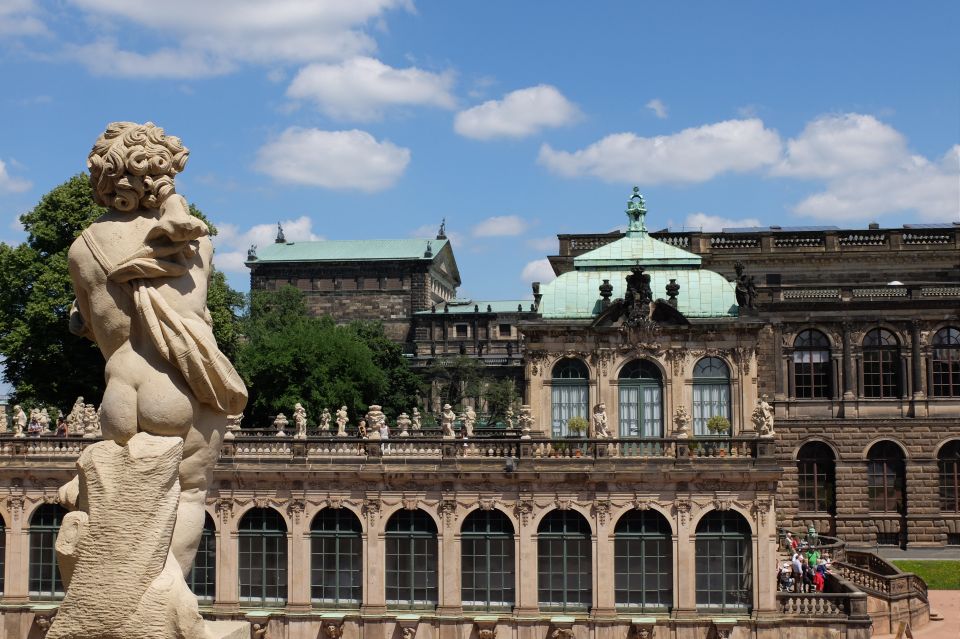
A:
(132, 166)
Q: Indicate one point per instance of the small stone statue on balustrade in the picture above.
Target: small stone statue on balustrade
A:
(91, 422)
(525, 420)
(3, 420)
(508, 417)
(600, 430)
(403, 423)
(447, 417)
(279, 423)
(325, 421)
(19, 421)
(762, 417)
(300, 421)
(469, 418)
(415, 420)
(44, 419)
(75, 418)
(362, 429)
(681, 423)
(342, 422)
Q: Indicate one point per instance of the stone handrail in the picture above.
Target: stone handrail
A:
(876, 575)
(841, 599)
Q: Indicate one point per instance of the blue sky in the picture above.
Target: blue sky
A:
(513, 120)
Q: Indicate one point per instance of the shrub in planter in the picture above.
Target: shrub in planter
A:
(718, 425)
(577, 426)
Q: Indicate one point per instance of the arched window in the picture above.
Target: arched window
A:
(812, 377)
(711, 393)
(641, 400)
(881, 364)
(817, 478)
(411, 560)
(569, 394)
(203, 576)
(948, 460)
(724, 564)
(263, 557)
(946, 363)
(487, 564)
(886, 478)
(336, 558)
(643, 561)
(564, 562)
(44, 573)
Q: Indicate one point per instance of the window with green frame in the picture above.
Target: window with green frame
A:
(411, 538)
(203, 575)
(487, 565)
(711, 393)
(262, 537)
(336, 558)
(643, 561)
(45, 580)
(564, 562)
(569, 394)
(723, 562)
(641, 400)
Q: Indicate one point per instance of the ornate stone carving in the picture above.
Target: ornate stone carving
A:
(447, 509)
(682, 507)
(371, 508)
(332, 629)
(487, 633)
(676, 357)
(681, 423)
(600, 430)
(334, 502)
(640, 503)
(601, 358)
(762, 417)
(224, 509)
(563, 503)
(279, 423)
(300, 421)
(342, 421)
(410, 503)
(536, 359)
(722, 502)
(761, 507)
(295, 509)
(15, 506)
(259, 630)
(562, 633)
(524, 509)
(487, 503)
(602, 509)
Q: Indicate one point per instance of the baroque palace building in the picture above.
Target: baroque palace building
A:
(685, 396)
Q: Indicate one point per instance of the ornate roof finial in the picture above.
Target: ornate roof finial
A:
(429, 251)
(280, 238)
(636, 213)
(442, 233)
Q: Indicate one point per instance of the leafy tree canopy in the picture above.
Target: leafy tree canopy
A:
(44, 362)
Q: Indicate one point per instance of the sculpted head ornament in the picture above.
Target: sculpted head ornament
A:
(132, 166)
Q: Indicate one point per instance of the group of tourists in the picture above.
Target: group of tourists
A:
(807, 569)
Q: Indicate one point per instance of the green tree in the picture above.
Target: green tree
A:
(44, 362)
(403, 385)
(499, 394)
(456, 378)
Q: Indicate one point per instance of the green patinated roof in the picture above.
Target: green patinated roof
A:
(577, 294)
(466, 306)
(347, 250)
(636, 248)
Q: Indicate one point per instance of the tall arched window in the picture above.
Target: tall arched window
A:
(724, 564)
(487, 565)
(203, 575)
(564, 562)
(816, 473)
(641, 400)
(945, 363)
(569, 394)
(411, 560)
(886, 478)
(711, 392)
(948, 461)
(812, 377)
(263, 557)
(336, 558)
(881, 364)
(643, 561)
(44, 573)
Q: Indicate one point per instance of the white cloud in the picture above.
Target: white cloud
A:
(222, 33)
(232, 244)
(692, 155)
(538, 271)
(838, 145)
(360, 88)
(104, 57)
(519, 114)
(932, 189)
(658, 107)
(11, 184)
(548, 244)
(499, 226)
(20, 18)
(704, 222)
(333, 159)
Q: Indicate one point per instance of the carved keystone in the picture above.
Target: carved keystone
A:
(561, 628)
(642, 627)
(486, 627)
(723, 627)
(408, 625)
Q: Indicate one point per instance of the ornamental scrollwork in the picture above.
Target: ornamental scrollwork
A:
(524, 509)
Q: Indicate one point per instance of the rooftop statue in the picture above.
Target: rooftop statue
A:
(140, 273)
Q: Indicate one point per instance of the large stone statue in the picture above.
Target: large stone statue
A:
(415, 420)
(447, 417)
(325, 421)
(300, 421)
(600, 430)
(762, 417)
(19, 421)
(342, 422)
(469, 419)
(140, 272)
(681, 423)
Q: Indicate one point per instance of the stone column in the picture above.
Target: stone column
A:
(298, 560)
(919, 388)
(450, 603)
(374, 582)
(849, 387)
(17, 570)
(765, 553)
(779, 392)
(228, 576)
(684, 562)
(604, 593)
(526, 549)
